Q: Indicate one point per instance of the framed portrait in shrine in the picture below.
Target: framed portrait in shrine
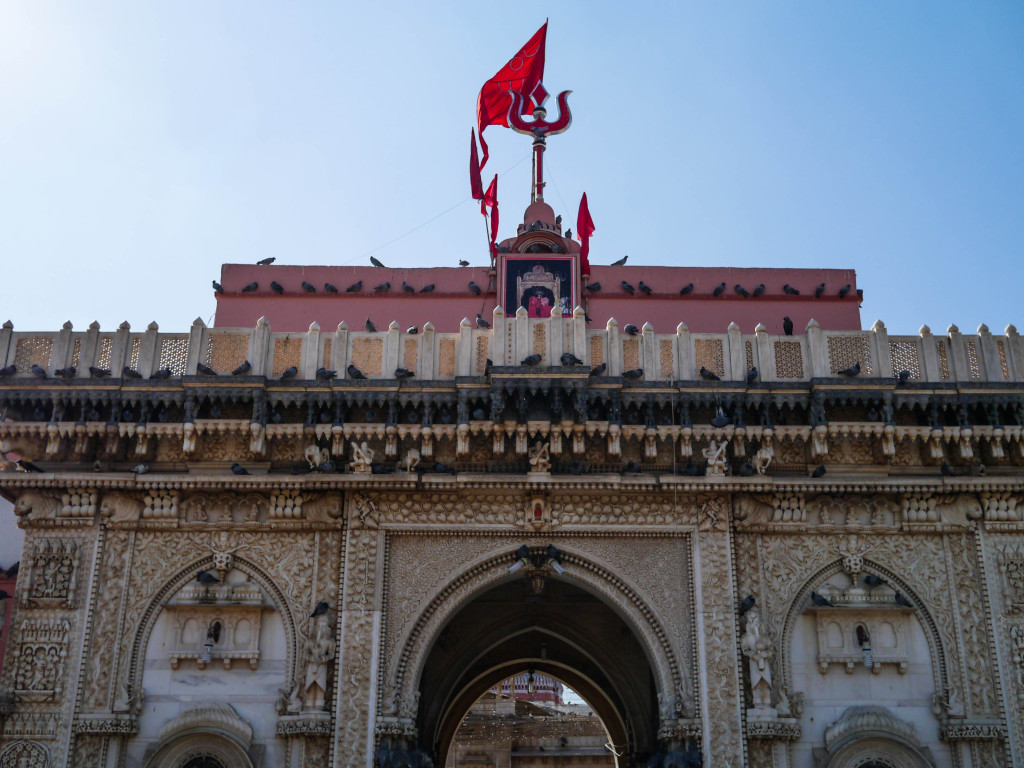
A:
(539, 284)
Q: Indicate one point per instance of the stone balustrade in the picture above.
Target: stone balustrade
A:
(432, 356)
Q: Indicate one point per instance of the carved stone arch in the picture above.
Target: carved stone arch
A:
(405, 670)
(209, 730)
(872, 737)
(25, 753)
(152, 612)
(940, 671)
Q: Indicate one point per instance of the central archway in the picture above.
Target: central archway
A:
(566, 631)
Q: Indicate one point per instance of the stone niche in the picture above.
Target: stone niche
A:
(862, 634)
(213, 624)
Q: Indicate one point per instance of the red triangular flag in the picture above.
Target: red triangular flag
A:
(475, 185)
(522, 74)
(491, 201)
(584, 228)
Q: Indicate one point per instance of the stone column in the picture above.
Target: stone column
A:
(359, 637)
(721, 699)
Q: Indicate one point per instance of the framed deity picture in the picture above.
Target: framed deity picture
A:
(539, 284)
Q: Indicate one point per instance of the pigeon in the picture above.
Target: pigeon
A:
(747, 604)
(819, 290)
(709, 375)
(635, 373)
(946, 470)
(821, 601)
(375, 261)
(163, 373)
(130, 373)
(568, 358)
(266, 262)
(873, 581)
(205, 370)
(243, 369)
(276, 287)
(575, 467)
(354, 372)
(38, 371)
(853, 370)
(844, 290)
(531, 360)
(593, 287)
(28, 466)
(330, 288)
(631, 329)
(787, 326)
(308, 287)
(487, 366)
(632, 466)
(686, 289)
(9, 370)
(207, 578)
(140, 469)
(355, 287)
(759, 290)
(902, 378)
(325, 374)
(597, 370)
(402, 373)
(742, 291)
(645, 288)
(628, 288)
(474, 288)
(899, 599)
(719, 420)
(65, 373)
(99, 373)
(620, 262)
(690, 469)
(819, 471)
(320, 610)
(407, 288)
(463, 263)
(747, 470)
(251, 287)
(752, 375)
(790, 290)
(427, 288)
(382, 288)
(289, 373)
(568, 234)
(238, 469)
(480, 322)
(719, 290)
(370, 327)
(217, 287)
(412, 330)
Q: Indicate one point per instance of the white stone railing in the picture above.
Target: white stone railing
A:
(816, 353)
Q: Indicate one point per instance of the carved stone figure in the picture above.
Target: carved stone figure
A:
(317, 653)
(362, 458)
(540, 457)
(715, 455)
(764, 457)
(316, 456)
(410, 461)
(758, 650)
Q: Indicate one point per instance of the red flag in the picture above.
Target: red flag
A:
(490, 200)
(522, 74)
(475, 184)
(584, 228)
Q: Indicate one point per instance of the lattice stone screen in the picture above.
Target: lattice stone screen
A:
(226, 351)
(510, 341)
(368, 354)
(1004, 363)
(287, 353)
(133, 352)
(596, 350)
(667, 363)
(940, 346)
(630, 354)
(748, 349)
(844, 351)
(446, 357)
(34, 350)
(540, 339)
(174, 354)
(104, 352)
(328, 344)
(710, 354)
(905, 358)
(481, 354)
(789, 360)
(409, 354)
(76, 352)
(973, 363)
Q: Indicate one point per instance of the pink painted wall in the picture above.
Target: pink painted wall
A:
(451, 300)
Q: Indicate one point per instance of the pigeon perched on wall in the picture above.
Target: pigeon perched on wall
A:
(403, 373)
(597, 370)
(531, 360)
(635, 373)
(853, 370)
(238, 469)
(370, 327)
(759, 290)
(251, 287)
(355, 287)
(631, 329)
(480, 322)
(899, 599)
(873, 581)
(474, 288)
(243, 369)
(8, 370)
(645, 288)
(709, 375)
(308, 287)
(163, 373)
(790, 290)
(28, 466)
(427, 288)
(902, 378)
(65, 373)
(205, 370)
(38, 371)
(844, 290)
(593, 287)
(787, 326)
(140, 469)
(412, 330)
(632, 466)
(130, 373)
(742, 291)
(289, 373)
(752, 375)
(819, 471)
(747, 604)
(266, 262)
(821, 601)
(330, 288)
(686, 289)
(407, 288)
(463, 263)
(325, 374)
(719, 420)
(382, 288)
(218, 287)
(320, 610)
(375, 261)
(946, 470)
(819, 291)
(276, 287)
(568, 358)
(99, 373)
(621, 262)
(628, 288)
(207, 578)
(747, 470)
(355, 373)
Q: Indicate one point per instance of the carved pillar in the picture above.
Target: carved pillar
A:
(359, 638)
(721, 699)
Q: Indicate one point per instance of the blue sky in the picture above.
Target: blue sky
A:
(143, 144)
